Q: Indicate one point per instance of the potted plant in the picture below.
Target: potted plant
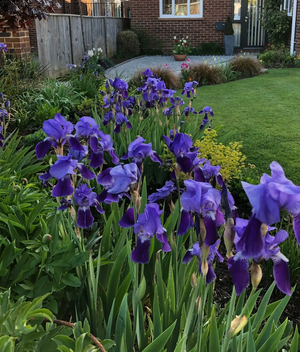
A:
(228, 37)
(181, 48)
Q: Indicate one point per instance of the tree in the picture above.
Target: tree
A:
(16, 14)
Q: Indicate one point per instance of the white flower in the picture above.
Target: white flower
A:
(184, 40)
(175, 37)
(187, 37)
(100, 50)
(90, 53)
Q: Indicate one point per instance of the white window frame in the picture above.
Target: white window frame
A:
(177, 16)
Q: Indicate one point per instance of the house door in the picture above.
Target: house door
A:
(247, 23)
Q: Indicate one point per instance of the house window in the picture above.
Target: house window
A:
(180, 8)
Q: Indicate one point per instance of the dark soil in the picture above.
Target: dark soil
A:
(223, 291)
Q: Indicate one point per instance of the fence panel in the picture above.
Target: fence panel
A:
(60, 39)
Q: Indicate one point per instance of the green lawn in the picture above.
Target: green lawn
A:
(264, 114)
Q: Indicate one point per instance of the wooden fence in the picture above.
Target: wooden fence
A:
(60, 39)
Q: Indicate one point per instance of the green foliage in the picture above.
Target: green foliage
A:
(149, 44)
(210, 48)
(128, 44)
(228, 27)
(277, 56)
(35, 106)
(276, 22)
(229, 74)
(16, 74)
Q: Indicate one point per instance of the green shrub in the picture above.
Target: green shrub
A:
(170, 78)
(228, 27)
(211, 48)
(247, 66)
(149, 44)
(205, 74)
(277, 57)
(128, 44)
(276, 22)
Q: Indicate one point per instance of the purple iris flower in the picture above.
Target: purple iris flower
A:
(57, 130)
(138, 151)
(3, 113)
(238, 265)
(65, 204)
(177, 101)
(105, 145)
(119, 86)
(169, 111)
(61, 170)
(148, 224)
(3, 47)
(109, 116)
(1, 137)
(85, 198)
(118, 179)
(120, 119)
(206, 110)
(163, 192)
(7, 105)
(147, 73)
(190, 88)
(207, 172)
(181, 144)
(182, 148)
(79, 154)
(188, 110)
(202, 198)
(213, 252)
(273, 194)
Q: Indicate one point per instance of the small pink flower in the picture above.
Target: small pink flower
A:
(184, 66)
(166, 65)
(188, 60)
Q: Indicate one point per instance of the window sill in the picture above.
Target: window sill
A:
(180, 18)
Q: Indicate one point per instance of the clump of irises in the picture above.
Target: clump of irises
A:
(206, 206)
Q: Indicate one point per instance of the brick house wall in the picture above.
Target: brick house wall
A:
(146, 17)
(297, 34)
(17, 42)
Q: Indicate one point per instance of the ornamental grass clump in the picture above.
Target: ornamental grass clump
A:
(205, 74)
(171, 79)
(247, 66)
(157, 240)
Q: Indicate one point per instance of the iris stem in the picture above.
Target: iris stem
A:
(229, 319)
(203, 296)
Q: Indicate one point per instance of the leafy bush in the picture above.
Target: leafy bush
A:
(230, 157)
(276, 22)
(149, 44)
(277, 57)
(205, 74)
(128, 44)
(228, 27)
(247, 66)
(210, 48)
(170, 78)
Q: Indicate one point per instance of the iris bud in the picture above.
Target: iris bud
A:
(46, 239)
(229, 235)
(256, 274)
(237, 325)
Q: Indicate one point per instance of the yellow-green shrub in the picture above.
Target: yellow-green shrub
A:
(229, 157)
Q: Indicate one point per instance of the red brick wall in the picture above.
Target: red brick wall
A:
(146, 17)
(297, 34)
(17, 41)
